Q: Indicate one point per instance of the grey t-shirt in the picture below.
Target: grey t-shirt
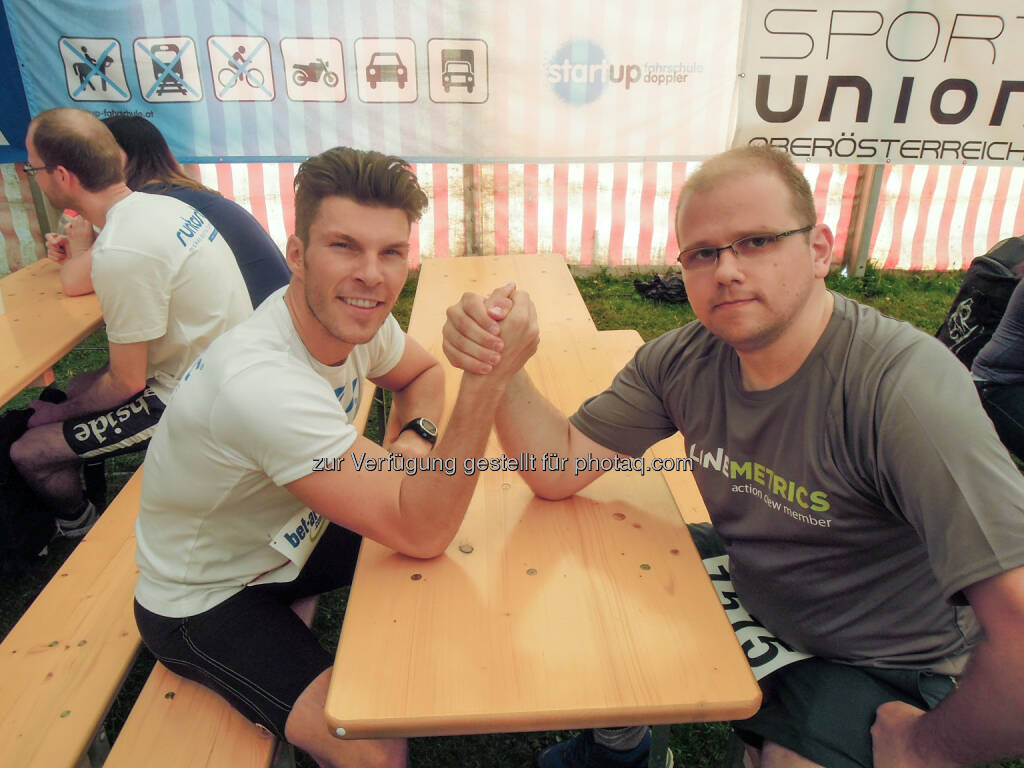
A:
(856, 499)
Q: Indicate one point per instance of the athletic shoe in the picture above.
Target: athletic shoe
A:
(583, 752)
(77, 528)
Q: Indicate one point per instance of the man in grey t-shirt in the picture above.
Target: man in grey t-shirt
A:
(871, 516)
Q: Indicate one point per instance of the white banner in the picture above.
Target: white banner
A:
(437, 80)
(885, 81)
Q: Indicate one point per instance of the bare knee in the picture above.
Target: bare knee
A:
(775, 756)
(41, 449)
(307, 729)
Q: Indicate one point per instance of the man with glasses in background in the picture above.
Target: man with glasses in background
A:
(871, 516)
(168, 285)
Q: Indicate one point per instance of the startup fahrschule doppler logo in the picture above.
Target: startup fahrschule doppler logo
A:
(580, 72)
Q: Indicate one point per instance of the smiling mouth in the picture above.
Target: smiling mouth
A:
(361, 303)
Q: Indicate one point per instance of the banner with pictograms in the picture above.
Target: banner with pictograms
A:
(863, 81)
(885, 81)
(444, 80)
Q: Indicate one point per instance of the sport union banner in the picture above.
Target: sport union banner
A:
(938, 82)
(437, 80)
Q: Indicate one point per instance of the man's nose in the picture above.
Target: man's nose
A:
(728, 267)
(369, 270)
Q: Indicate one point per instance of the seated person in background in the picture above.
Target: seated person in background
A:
(161, 305)
(150, 167)
(224, 555)
(870, 514)
(998, 372)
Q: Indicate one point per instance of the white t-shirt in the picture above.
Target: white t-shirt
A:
(163, 274)
(253, 414)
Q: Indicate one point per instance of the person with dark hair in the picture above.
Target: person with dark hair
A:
(872, 520)
(998, 372)
(279, 492)
(162, 307)
(150, 166)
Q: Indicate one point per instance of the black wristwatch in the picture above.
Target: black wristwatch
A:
(423, 427)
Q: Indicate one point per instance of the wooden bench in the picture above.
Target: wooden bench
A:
(620, 347)
(65, 659)
(176, 722)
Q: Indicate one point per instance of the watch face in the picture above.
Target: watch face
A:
(428, 427)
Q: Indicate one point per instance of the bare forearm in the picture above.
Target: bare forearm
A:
(527, 422)
(103, 393)
(423, 396)
(76, 274)
(981, 720)
(433, 504)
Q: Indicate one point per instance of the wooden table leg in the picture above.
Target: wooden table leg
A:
(45, 379)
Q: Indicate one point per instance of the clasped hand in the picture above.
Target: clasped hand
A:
(494, 336)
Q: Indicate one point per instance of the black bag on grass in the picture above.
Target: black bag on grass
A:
(670, 290)
(982, 299)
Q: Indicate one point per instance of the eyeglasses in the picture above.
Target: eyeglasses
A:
(747, 247)
(31, 170)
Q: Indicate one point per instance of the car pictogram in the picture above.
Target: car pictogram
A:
(386, 67)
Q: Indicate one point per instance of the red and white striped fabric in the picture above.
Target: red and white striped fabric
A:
(21, 242)
(940, 217)
(614, 214)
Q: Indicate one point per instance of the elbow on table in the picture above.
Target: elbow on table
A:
(544, 486)
(423, 549)
(73, 287)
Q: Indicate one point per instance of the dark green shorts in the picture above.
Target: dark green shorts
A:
(824, 711)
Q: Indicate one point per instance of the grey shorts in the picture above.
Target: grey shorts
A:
(252, 649)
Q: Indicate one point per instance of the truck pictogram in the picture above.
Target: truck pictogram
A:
(457, 69)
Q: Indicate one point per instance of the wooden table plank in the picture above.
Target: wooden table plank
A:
(585, 612)
(40, 324)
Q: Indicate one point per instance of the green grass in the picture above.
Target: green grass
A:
(920, 298)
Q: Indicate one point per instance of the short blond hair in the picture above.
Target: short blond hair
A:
(753, 159)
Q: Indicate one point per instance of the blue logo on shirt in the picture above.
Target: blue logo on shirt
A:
(348, 396)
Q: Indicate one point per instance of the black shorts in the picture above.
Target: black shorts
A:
(252, 649)
(824, 710)
(123, 429)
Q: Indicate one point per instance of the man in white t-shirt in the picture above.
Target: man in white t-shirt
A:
(167, 283)
(258, 488)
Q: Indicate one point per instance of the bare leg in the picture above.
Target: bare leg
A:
(305, 609)
(83, 381)
(774, 756)
(50, 467)
(307, 730)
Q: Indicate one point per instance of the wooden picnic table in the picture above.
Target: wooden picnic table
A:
(591, 611)
(39, 325)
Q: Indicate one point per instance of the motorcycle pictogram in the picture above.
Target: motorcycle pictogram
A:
(312, 72)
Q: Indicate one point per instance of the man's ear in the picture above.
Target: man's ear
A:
(295, 254)
(821, 241)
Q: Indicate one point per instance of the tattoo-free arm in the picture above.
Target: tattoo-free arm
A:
(981, 720)
(125, 376)
(417, 383)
